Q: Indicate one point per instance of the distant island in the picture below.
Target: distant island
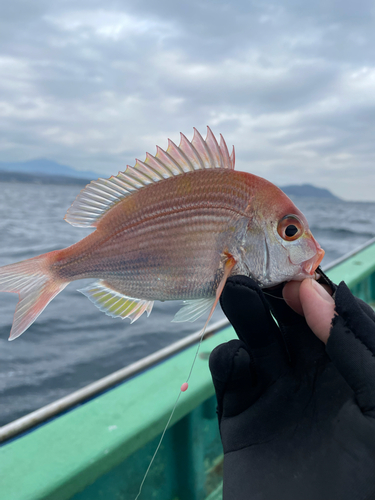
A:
(43, 171)
(308, 190)
(43, 179)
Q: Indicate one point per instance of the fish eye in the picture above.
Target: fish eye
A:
(290, 228)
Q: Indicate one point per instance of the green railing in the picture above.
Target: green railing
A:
(101, 449)
(358, 272)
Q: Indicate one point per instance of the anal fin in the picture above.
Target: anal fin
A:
(114, 303)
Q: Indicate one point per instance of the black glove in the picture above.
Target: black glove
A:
(296, 417)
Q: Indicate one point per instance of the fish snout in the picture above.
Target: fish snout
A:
(310, 265)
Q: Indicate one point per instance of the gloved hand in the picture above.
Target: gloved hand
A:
(296, 416)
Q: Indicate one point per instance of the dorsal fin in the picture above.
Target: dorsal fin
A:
(101, 195)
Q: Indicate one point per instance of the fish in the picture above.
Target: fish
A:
(172, 227)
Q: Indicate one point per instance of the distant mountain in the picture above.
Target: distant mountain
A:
(308, 190)
(43, 171)
(45, 167)
(43, 179)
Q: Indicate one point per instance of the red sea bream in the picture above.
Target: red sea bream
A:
(172, 227)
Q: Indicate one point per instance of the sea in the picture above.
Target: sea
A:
(72, 343)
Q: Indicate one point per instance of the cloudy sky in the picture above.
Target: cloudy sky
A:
(291, 84)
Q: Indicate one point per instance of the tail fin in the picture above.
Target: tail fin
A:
(36, 287)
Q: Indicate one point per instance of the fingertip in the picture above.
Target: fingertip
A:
(318, 307)
(309, 288)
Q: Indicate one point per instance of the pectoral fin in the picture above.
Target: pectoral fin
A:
(193, 309)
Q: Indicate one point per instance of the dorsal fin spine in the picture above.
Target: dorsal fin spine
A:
(145, 170)
(185, 162)
(124, 179)
(94, 202)
(92, 208)
(211, 141)
(168, 161)
(157, 158)
(131, 179)
(172, 147)
(107, 186)
(175, 164)
(200, 141)
(225, 152)
(91, 213)
(186, 144)
(233, 157)
(152, 170)
(94, 197)
(136, 176)
(103, 188)
(158, 165)
(120, 184)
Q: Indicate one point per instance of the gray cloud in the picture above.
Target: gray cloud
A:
(291, 84)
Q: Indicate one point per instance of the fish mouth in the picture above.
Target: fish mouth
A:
(309, 266)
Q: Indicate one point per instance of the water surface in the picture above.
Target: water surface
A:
(72, 343)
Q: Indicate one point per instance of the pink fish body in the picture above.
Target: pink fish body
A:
(165, 230)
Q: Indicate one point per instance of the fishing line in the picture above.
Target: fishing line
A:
(183, 388)
(273, 296)
(228, 266)
(158, 446)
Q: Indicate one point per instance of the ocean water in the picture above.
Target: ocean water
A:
(72, 343)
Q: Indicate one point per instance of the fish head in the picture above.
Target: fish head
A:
(297, 245)
(280, 246)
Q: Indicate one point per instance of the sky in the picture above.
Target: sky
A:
(290, 84)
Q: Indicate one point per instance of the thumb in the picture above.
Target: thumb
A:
(318, 308)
